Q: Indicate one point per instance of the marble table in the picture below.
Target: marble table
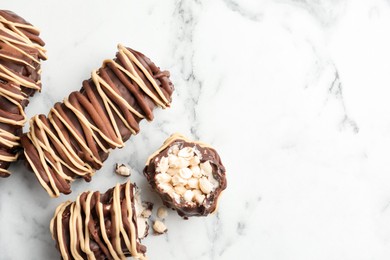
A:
(294, 94)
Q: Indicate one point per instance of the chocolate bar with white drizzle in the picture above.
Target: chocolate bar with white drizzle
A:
(21, 52)
(188, 175)
(77, 135)
(102, 226)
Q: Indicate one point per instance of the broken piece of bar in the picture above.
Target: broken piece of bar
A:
(77, 135)
(98, 225)
(188, 175)
(21, 51)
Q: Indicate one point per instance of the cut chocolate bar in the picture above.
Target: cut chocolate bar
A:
(189, 176)
(21, 51)
(98, 225)
(76, 137)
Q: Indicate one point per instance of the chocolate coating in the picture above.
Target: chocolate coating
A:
(21, 50)
(207, 153)
(101, 225)
(75, 138)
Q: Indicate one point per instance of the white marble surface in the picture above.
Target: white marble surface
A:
(293, 93)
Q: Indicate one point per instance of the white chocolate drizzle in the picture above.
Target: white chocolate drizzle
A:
(16, 47)
(79, 232)
(55, 154)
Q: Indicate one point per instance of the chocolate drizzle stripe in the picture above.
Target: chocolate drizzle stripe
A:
(23, 39)
(52, 220)
(108, 105)
(85, 122)
(8, 139)
(22, 115)
(80, 132)
(15, 25)
(121, 230)
(12, 97)
(13, 46)
(16, 33)
(79, 223)
(46, 168)
(119, 221)
(111, 62)
(73, 226)
(73, 131)
(46, 147)
(91, 129)
(17, 60)
(73, 241)
(87, 211)
(107, 86)
(17, 39)
(104, 233)
(66, 150)
(8, 158)
(21, 50)
(148, 76)
(40, 179)
(10, 76)
(73, 229)
(130, 71)
(60, 235)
